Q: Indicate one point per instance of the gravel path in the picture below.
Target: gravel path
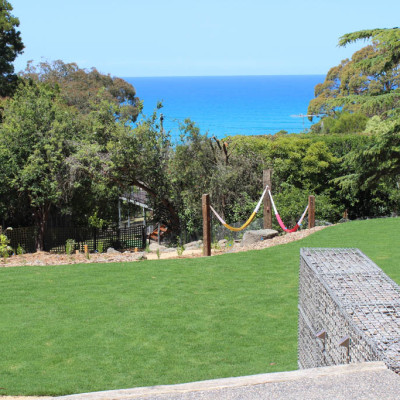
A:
(44, 258)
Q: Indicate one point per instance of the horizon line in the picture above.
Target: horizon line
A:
(217, 76)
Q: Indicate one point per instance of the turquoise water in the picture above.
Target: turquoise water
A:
(231, 105)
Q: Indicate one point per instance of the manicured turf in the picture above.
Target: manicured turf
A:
(78, 328)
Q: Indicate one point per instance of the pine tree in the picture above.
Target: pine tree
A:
(10, 46)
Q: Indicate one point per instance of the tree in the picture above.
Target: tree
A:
(10, 46)
(368, 83)
(36, 137)
(81, 88)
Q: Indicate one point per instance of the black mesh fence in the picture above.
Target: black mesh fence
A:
(23, 238)
(56, 239)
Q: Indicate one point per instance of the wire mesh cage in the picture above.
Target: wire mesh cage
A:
(349, 310)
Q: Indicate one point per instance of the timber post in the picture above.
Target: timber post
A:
(205, 202)
(267, 174)
(311, 212)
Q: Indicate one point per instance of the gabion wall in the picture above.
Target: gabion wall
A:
(349, 310)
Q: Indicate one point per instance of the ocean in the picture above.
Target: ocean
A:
(230, 105)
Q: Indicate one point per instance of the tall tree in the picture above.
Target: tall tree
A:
(35, 139)
(81, 87)
(10, 46)
(368, 82)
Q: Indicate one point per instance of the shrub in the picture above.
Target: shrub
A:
(5, 249)
(70, 246)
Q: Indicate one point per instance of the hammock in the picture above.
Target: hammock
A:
(248, 222)
(281, 224)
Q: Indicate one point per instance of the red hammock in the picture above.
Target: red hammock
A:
(281, 224)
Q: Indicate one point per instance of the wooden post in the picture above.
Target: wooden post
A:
(311, 212)
(86, 249)
(205, 202)
(267, 174)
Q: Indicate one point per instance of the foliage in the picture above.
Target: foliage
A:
(95, 221)
(10, 47)
(84, 89)
(373, 172)
(20, 250)
(344, 122)
(5, 249)
(368, 83)
(70, 246)
(180, 249)
(291, 203)
(35, 139)
(100, 246)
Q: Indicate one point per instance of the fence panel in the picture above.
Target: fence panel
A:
(23, 237)
(96, 239)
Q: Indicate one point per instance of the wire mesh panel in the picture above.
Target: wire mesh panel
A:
(95, 239)
(349, 310)
(23, 238)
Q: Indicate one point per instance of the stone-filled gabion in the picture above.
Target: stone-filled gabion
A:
(349, 310)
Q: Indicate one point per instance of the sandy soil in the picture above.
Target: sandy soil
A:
(43, 258)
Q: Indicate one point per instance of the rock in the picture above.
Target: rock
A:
(251, 237)
(154, 246)
(168, 250)
(193, 245)
(222, 243)
(140, 255)
(111, 250)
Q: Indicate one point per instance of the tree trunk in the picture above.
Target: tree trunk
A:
(41, 214)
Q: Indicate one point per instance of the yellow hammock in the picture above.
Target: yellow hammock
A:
(248, 222)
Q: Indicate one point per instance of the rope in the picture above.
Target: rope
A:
(281, 224)
(248, 222)
(252, 216)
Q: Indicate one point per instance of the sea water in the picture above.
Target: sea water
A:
(231, 105)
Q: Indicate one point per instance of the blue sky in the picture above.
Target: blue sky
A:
(192, 38)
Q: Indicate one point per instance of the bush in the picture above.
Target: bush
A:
(344, 123)
(291, 203)
(5, 249)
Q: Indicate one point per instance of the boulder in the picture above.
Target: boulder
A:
(193, 245)
(155, 246)
(140, 255)
(111, 250)
(222, 243)
(168, 249)
(251, 237)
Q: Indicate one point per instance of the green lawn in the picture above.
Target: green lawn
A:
(79, 328)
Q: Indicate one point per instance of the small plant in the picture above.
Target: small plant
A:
(100, 246)
(158, 253)
(20, 250)
(180, 249)
(229, 242)
(147, 248)
(5, 249)
(215, 246)
(70, 246)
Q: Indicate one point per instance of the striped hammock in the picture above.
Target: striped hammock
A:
(248, 222)
(281, 224)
